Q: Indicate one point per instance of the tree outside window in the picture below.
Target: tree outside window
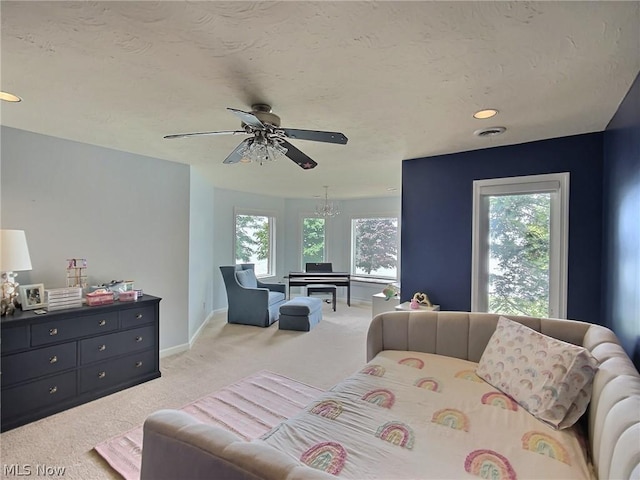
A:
(375, 247)
(253, 242)
(313, 240)
(519, 247)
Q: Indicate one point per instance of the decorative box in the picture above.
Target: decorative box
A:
(99, 298)
(63, 298)
(128, 296)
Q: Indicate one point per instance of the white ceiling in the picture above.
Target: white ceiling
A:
(400, 79)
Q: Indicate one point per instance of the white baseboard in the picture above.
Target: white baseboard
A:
(173, 350)
(187, 346)
(199, 331)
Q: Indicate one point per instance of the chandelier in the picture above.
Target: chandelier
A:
(327, 209)
(262, 149)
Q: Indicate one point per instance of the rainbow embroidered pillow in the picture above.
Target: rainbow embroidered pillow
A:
(549, 378)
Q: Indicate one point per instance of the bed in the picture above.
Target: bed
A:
(419, 409)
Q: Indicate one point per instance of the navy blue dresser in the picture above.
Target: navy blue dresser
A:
(65, 358)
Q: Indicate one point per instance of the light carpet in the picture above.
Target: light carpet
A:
(248, 408)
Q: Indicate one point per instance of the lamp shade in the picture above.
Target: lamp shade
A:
(14, 252)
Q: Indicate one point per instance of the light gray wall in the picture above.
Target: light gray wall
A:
(224, 206)
(338, 235)
(289, 214)
(128, 215)
(158, 223)
(201, 248)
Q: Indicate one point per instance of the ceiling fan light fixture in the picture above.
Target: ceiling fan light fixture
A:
(327, 209)
(267, 141)
(262, 149)
(486, 113)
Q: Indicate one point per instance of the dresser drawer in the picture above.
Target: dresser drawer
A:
(71, 328)
(134, 317)
(108, 374)
(35, 395)
(36, 363)
(114, 344)
(14, 339)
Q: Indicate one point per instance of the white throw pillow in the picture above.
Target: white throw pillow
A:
(550, 378)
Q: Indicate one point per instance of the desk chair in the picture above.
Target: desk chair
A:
(321, 288)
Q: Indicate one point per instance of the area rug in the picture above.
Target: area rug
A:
(248, 408)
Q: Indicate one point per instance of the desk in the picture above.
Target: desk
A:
(303, 279)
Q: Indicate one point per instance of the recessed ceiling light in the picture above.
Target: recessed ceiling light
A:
(9, 97)
(391, 189)
(488, 113)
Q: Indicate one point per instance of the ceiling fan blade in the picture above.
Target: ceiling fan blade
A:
(236, 155)
(195, 134)
(297, 156)
(315, 136)
(248, 118)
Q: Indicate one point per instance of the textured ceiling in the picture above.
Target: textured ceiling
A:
(400, 79)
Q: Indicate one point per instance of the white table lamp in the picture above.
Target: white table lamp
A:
(14, 256)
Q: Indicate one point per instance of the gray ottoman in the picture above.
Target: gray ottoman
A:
(300, 313)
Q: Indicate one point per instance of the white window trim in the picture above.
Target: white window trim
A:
(272, 215)
(558, 185)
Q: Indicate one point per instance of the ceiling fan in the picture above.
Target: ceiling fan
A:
(268, 140)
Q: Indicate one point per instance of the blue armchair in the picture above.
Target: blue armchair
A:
(250, 301)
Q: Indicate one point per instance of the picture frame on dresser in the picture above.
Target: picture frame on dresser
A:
(32, 296)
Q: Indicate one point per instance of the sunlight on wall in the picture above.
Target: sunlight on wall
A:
(626, 279)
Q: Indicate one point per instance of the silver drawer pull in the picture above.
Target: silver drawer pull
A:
(102, 374)
(139, 338)
(102, 348)
(53, 331)
(102, 323)
(53, 390)
(138, 316)
(53, 359)
(138, 364)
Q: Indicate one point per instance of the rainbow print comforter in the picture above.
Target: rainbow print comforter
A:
(411, 415)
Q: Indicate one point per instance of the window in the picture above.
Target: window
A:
(313, 240)
(255, 241)
(520, 235)
(374, 247)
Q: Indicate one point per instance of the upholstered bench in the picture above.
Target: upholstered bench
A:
(300, 313)
(322, 288)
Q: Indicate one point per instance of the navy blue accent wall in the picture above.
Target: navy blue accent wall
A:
(621, 265)
(437, 203)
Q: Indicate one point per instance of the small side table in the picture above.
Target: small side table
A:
(380, 304)
(406, 306)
